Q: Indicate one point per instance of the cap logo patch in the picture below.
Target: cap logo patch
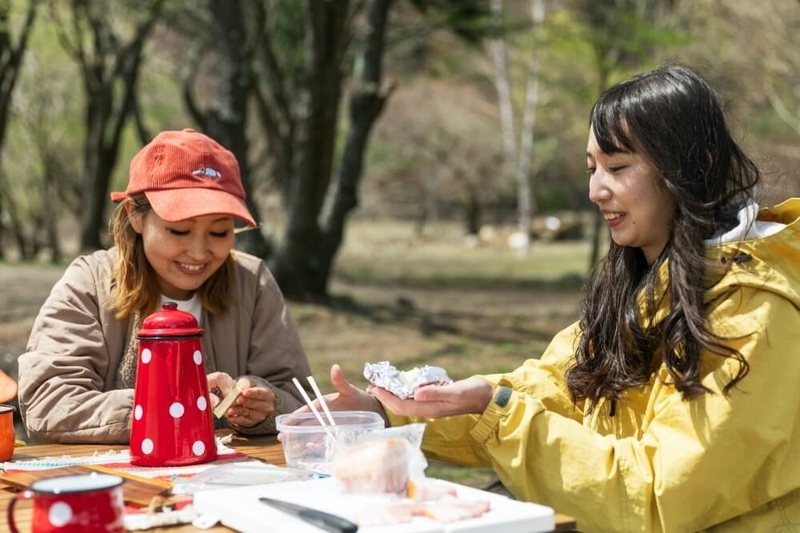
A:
(207, 172)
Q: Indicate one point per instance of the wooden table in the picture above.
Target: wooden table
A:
(267, 449)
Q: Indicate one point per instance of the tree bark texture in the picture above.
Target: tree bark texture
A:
(366, 104)
(499, 52)
(105, 65)
(225, 119)
(11, 56)
(328, 35)
(525, 201)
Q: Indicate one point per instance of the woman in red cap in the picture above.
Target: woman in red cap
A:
(173, 236)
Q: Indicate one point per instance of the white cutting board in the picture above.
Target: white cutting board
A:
(239, 509)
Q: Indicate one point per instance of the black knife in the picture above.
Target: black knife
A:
(321, 519)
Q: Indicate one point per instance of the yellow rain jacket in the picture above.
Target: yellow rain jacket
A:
(716, 463)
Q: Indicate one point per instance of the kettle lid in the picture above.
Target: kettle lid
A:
(170, 322)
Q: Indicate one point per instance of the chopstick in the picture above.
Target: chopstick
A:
(321, 399)
(309, 402)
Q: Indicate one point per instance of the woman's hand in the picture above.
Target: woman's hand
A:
(253, 405)
(469, 396)
(348, 397)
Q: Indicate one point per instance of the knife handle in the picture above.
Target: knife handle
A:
(327, 521)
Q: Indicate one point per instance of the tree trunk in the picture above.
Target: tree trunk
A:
(95, 183)
(226, 118)
(501, 81)
(11, 55)
(316, 138)
(50, 209)
(110, 67)
(2, 235)
(525, 201)
(423, 211)
(472, 211)
(366, 104)
(16, 228)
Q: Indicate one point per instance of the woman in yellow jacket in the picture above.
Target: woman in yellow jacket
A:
(673, 404)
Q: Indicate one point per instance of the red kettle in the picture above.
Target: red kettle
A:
(172, 423)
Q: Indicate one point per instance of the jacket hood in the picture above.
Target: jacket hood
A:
(768, 262)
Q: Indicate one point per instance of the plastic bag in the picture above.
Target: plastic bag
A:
(382, 461)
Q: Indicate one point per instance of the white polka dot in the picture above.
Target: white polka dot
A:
(147, 446)
(60, 514)
(176, 410)
(202, 403)
(146, 355)
(198, 448)
(198, 357)
(138, 412)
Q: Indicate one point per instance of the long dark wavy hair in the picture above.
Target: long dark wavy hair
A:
(675, 120)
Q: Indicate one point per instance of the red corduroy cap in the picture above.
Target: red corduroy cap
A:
(185, 174)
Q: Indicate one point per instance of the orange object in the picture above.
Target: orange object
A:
(7, 434)
(185, 174)
(8, 387)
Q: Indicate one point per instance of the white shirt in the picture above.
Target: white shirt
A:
(192, 305)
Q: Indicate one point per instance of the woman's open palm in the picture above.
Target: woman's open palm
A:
(469, 396)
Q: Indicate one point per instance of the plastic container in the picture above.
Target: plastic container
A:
(310, 446)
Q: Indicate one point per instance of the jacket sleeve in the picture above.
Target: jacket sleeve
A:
(545, 378)
(694, 463)
(275, 354)
(449, 439)
(62, 374)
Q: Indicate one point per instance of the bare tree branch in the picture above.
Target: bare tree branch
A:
(780, 108)
(502, 84)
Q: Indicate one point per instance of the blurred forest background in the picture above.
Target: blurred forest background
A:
(417, 166)
(416, 110)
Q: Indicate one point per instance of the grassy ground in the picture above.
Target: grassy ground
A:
(401, 297)
(431, 300)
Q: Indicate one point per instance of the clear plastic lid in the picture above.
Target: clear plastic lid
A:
(237, 475)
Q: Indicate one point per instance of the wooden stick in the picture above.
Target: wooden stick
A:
(163, 483)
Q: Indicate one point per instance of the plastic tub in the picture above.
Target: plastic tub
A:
(309, 446)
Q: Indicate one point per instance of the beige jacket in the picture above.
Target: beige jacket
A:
(67, 377)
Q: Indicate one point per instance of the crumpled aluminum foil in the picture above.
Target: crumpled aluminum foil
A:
(404, 384)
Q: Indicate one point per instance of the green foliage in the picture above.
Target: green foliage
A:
(468, 19)
(766, 123)
(622, 34)
(439, 136)
(554, 196)
(287, 25)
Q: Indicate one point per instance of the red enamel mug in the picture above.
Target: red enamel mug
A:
(172, 422)
(83, 503)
